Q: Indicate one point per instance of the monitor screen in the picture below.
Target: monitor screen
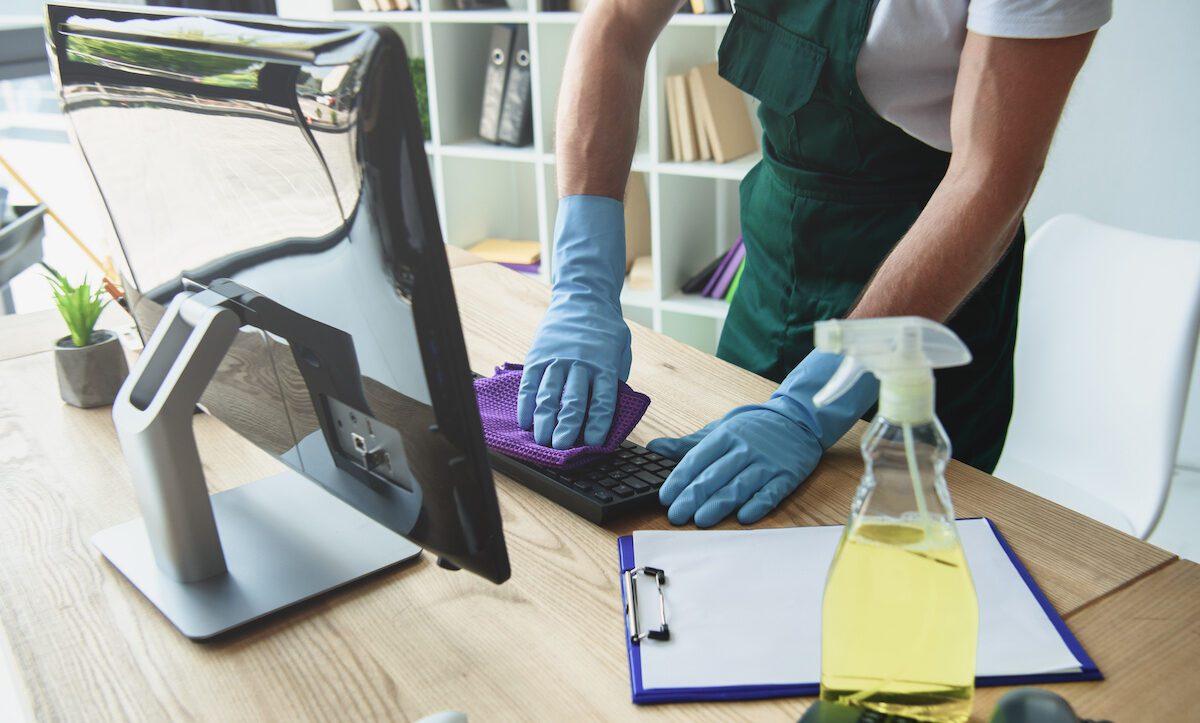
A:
(288, 158)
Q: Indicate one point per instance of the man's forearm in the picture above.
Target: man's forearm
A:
(596, 128)
(1007, 102)
(957, 240)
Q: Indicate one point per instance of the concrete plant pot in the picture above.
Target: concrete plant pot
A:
(90, 376)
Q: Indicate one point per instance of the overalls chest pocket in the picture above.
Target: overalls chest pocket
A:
(787, 73)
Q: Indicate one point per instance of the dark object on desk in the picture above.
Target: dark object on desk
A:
(20, 246)
(1024, 705)
(516, 114)
(346, 361)
(494, 79)
(1034, 705)
(482, 4)
(601, 491)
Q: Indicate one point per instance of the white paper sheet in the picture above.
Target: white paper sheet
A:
(744, 607)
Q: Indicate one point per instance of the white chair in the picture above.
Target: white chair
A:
(1106, 338)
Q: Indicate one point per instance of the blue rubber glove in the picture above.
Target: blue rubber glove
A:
(757, 455)
(582, 346)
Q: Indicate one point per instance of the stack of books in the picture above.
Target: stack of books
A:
(719, 280)
(708, 117)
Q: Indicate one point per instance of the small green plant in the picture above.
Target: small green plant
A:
(80, 305)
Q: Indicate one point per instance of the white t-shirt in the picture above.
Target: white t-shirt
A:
(909, 60)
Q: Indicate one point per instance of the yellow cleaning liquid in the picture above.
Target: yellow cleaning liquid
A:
(900, 621)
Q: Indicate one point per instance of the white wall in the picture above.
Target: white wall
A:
(1128, 150)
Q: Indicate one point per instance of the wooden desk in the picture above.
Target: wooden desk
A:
(548, 644)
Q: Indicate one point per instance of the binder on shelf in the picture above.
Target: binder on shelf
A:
(482, 4)
(727, 119)
(736, 615)
(516, 112)
(704, 127)
(737, 279)
(696, 284)
(673, 120)
(724, 278)
(494, 79)
(687, 129)
(698, 107)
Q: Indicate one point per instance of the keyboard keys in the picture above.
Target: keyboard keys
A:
(602, 495)
(628, 468)
(647, 478)
(607, 482)
(668, 463)
(622, 490)
(618, 475)
(637, 484)
(628, 445)
(652, 468)
(654, 457)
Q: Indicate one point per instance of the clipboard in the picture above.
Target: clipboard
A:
(649, 623)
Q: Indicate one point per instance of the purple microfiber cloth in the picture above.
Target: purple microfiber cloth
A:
(497, 396)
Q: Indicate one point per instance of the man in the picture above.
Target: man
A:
(902, 140)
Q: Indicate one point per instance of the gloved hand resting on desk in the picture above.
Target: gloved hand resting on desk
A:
(582, 346)
(757, 455)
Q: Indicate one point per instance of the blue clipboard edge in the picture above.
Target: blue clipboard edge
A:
(640, 695)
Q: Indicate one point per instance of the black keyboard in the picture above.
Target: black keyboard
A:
(620, 483)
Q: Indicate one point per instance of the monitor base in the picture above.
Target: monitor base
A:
(285, 540)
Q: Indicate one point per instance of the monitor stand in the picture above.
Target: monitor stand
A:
(213, 564)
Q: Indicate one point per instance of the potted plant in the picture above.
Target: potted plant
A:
(91, 364)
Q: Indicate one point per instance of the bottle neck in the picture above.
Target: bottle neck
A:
(904, 471)
(907, 398)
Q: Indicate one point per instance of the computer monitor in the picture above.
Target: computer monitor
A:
(270, 176)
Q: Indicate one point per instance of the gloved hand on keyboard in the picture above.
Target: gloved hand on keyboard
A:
(582, 346)
(758, 454)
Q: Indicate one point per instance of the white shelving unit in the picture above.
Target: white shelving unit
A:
(486, 190)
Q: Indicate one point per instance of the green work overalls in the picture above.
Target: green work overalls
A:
(837, 188)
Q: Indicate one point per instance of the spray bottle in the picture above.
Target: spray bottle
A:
(900, 618)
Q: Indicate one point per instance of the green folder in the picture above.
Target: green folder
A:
(736, 278)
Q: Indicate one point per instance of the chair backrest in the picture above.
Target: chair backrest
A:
(1107, 334)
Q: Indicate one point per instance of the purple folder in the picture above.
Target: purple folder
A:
(712, 280)
(736, 254)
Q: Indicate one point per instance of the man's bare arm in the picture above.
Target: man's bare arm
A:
(1007, 102)
(601, 91)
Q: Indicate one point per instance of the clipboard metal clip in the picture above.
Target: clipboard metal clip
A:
(662, 632)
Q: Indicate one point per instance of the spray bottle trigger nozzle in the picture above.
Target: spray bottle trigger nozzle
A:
(848, 372)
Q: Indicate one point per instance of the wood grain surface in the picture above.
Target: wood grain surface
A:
(547, 645)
